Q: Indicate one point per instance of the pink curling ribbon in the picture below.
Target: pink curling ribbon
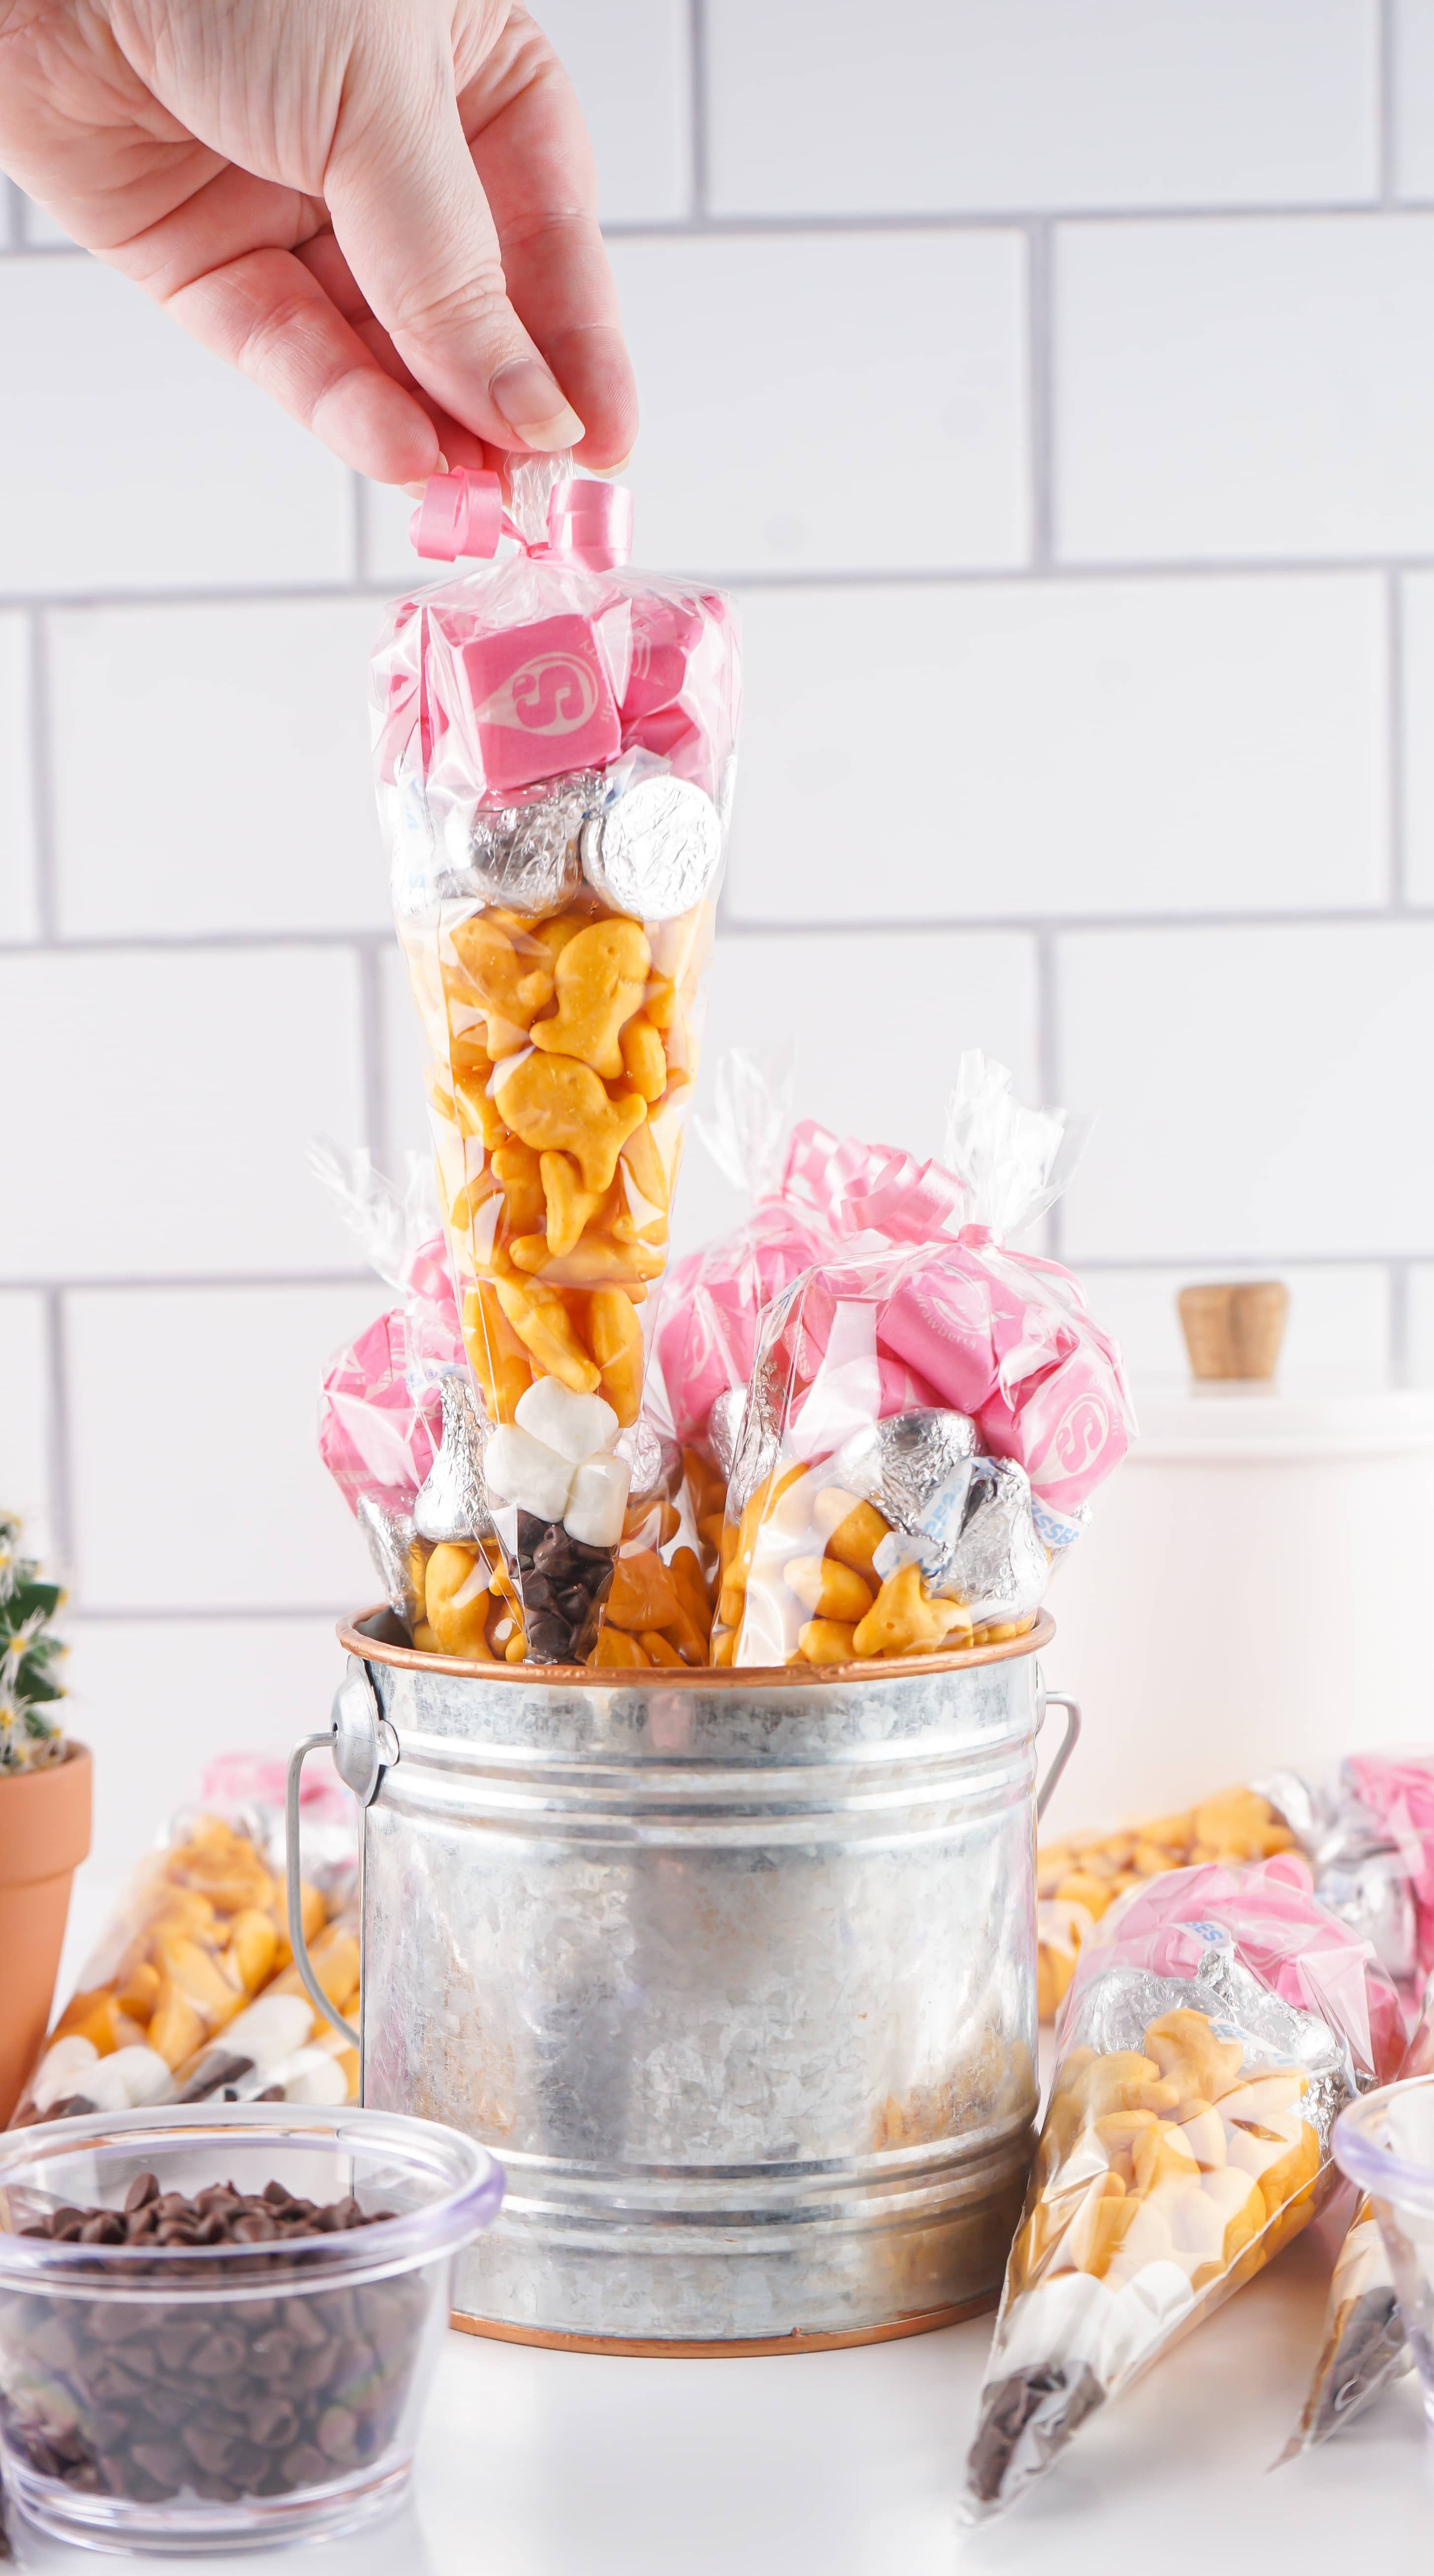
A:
(462, 514)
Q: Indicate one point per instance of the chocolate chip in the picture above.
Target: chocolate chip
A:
(303, 2466)
(143, 2189)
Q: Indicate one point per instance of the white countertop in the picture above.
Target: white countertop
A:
(564, 2464)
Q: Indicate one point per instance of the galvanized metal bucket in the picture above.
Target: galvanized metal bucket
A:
(734, 1971)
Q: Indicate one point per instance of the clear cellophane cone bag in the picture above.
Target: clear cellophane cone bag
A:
(554, 745)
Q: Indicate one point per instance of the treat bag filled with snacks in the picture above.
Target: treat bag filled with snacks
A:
(929, 1408)
(382, 1407)
(1364, 2345)
(1218, 2021)
(554, 744)
(191, 1989)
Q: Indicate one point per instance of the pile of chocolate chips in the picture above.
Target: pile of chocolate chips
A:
(564, 1584)
(154, 2397)
(223, 2215)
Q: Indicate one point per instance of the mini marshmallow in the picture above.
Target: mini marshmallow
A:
(525, 1471)
(142, 2076)
(312, 2076)
(62, 2070)
(1147, 2309)
(1071, 2313)
(595, 1512)
(104, 2084)
(577, 1426)
(268, 2030)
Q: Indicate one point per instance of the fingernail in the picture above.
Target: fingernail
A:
(532, 404)
(416, 491)
(606, 472)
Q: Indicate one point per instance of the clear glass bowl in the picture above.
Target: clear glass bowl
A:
(1386, 2144)
(183, 2398)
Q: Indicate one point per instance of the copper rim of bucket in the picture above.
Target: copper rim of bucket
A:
(735, 2348)
(374, 1650)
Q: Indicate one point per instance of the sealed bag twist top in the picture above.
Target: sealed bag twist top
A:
(554, 743)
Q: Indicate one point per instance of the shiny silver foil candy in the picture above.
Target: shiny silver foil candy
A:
(907, 1463)
(1119, 2004)
(452, 1502)
(654, 851)
(997, 1566)
(724, 1427)
(1372, 1894)
(527, 855)
(388, 1529)
(647, 1457)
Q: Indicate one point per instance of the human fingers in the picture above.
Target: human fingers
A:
(411, 219)
(532, 153)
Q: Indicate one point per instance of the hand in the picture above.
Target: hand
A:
(381, 210)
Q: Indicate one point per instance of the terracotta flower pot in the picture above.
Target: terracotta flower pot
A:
(44, 1835)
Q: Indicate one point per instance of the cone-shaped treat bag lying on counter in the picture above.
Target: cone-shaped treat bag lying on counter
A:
(554, 741)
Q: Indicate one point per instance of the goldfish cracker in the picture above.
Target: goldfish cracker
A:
(1191, 2057)
(543, 1324)
(643, 1593)
(903, 1621)
(852, 1531)
(458, 1598)
(552, 1103)
(616, 1647)
(644, 1059)
(828, 1589)
(496, 1354)
(177, 2027)
(600, 980)
(254, 1947)
(827, 1641)
(566, 1201)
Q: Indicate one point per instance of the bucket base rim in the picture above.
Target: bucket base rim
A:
(725, 2348)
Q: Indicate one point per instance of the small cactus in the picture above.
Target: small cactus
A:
(30, 1735)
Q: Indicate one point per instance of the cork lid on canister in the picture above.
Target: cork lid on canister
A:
(1234, 1328)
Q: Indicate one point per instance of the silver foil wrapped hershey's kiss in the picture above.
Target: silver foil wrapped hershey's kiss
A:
(388, 1528)
(452, 1502)
(908, 1462)
(724, 1428)
(655, 850)
(996, 1566)
(1360, 1872)
(527, 855)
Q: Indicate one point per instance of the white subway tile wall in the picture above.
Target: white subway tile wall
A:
(1055, 381)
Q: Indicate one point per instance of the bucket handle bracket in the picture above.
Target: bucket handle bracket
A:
(1067, 1746)
(363, 1745)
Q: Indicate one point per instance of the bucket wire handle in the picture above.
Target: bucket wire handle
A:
(364, 1745)
(1068, 1743)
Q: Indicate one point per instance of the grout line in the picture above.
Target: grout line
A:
(698, 67)
(123, 1282)
(1400, 1351)
(989, 219)
(134, 1614)
(762, 577)
(1261, 1261)
(1066, 925)
(181, 942)
(202, 595)
(1387, 96)
(373, 1040)
(57, 1411)
(1048, 1065)
(1396, 746)
(1040, 377)
(374, 944)
(41, 782)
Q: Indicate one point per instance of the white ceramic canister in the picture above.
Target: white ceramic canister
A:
(1249, 1595)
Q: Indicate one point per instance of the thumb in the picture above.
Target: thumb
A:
(411, 218)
